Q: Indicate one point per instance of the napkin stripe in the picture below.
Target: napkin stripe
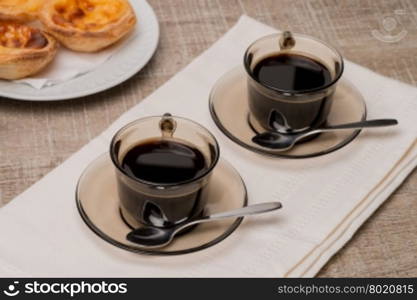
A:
(361, 217)
(353, 211)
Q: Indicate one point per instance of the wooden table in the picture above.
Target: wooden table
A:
(37, 137)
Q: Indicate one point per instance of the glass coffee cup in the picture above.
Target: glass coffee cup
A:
(163, 166)
(291, 79)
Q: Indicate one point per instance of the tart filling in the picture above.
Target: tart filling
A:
(19, 9)
(88, 25)
(14, 35)
(88, 15)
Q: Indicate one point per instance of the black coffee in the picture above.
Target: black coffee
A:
(292, 73)
(164, 162)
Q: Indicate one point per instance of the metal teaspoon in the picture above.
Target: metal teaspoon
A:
(155, 237)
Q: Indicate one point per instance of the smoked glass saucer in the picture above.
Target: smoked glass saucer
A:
(229, 110)
(98, 205)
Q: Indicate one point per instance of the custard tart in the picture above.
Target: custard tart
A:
(19, 10)
(24, 50)
(87, 25)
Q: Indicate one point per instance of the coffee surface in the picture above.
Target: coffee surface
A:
(291, 72)
(164, 161)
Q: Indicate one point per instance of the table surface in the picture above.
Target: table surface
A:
(37, 137)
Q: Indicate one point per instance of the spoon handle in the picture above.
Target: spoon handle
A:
(247, 210)
(240, 212)
(363, 124)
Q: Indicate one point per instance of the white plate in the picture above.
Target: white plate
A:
(129, 60)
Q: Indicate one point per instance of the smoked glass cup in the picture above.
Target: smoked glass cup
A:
(290, 111)
(162, 204)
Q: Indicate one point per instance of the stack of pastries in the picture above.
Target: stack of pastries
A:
(79, 25)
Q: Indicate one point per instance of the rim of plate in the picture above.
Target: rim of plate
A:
(98, 80)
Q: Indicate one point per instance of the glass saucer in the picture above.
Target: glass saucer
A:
(98, 205)
(229, 110)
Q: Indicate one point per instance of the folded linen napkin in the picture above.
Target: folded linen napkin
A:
(325, 198)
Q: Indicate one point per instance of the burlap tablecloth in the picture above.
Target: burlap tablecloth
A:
(381, 35)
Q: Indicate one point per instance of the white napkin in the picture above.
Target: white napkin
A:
(70, 64)
(325, 198)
